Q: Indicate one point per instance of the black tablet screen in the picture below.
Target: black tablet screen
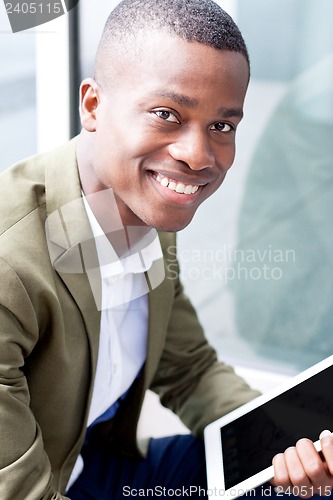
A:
(250, 442)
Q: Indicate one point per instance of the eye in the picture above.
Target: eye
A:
(222, 127)
(166, 115)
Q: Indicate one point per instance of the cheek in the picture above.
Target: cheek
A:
(129, 144)
(225, 157)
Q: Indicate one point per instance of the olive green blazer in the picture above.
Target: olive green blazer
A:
(49, 334)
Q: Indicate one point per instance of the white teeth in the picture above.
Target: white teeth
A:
(180, 188)
(164, 182)
(174, 186)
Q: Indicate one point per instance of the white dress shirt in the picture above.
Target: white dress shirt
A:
(124, 320)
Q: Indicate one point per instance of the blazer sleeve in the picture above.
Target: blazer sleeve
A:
(190, 380)
(25, 470)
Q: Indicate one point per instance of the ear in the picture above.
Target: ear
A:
(89, 102)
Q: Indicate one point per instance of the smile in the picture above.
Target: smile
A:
(178, 187)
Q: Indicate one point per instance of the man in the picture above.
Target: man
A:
(91, 314)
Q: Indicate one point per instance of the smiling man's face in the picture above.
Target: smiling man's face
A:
(163, 134)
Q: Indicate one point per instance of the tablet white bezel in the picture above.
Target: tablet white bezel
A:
(212, 436)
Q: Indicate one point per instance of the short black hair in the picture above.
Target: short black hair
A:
(200, 21)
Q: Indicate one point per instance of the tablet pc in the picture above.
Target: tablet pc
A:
(240, 446)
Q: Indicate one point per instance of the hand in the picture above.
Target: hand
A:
(302, 471)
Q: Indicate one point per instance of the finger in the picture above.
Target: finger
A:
(281, 476)
(312, 463)
(326, 441)
(296, 471)
(288, 469)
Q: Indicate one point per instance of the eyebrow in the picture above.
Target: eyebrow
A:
(180, 99)
(190, 102)
(230, 112)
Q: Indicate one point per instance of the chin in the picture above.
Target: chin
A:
(167, 222)
(170, 226)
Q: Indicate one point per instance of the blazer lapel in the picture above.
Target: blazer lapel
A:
(70, 240)
(160, 305)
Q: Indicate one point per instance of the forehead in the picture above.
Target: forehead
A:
(166, 64)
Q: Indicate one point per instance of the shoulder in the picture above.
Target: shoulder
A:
(21, 191)
(23, 188)
(24, 194)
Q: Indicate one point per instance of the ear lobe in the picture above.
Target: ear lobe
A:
(89, 101)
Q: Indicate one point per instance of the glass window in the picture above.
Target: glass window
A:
(18, 93)
(35, 103)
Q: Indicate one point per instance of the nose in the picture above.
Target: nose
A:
(193, 148)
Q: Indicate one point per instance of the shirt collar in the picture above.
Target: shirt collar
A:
(139, 257)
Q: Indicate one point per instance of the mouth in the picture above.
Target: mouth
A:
(178, 187)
